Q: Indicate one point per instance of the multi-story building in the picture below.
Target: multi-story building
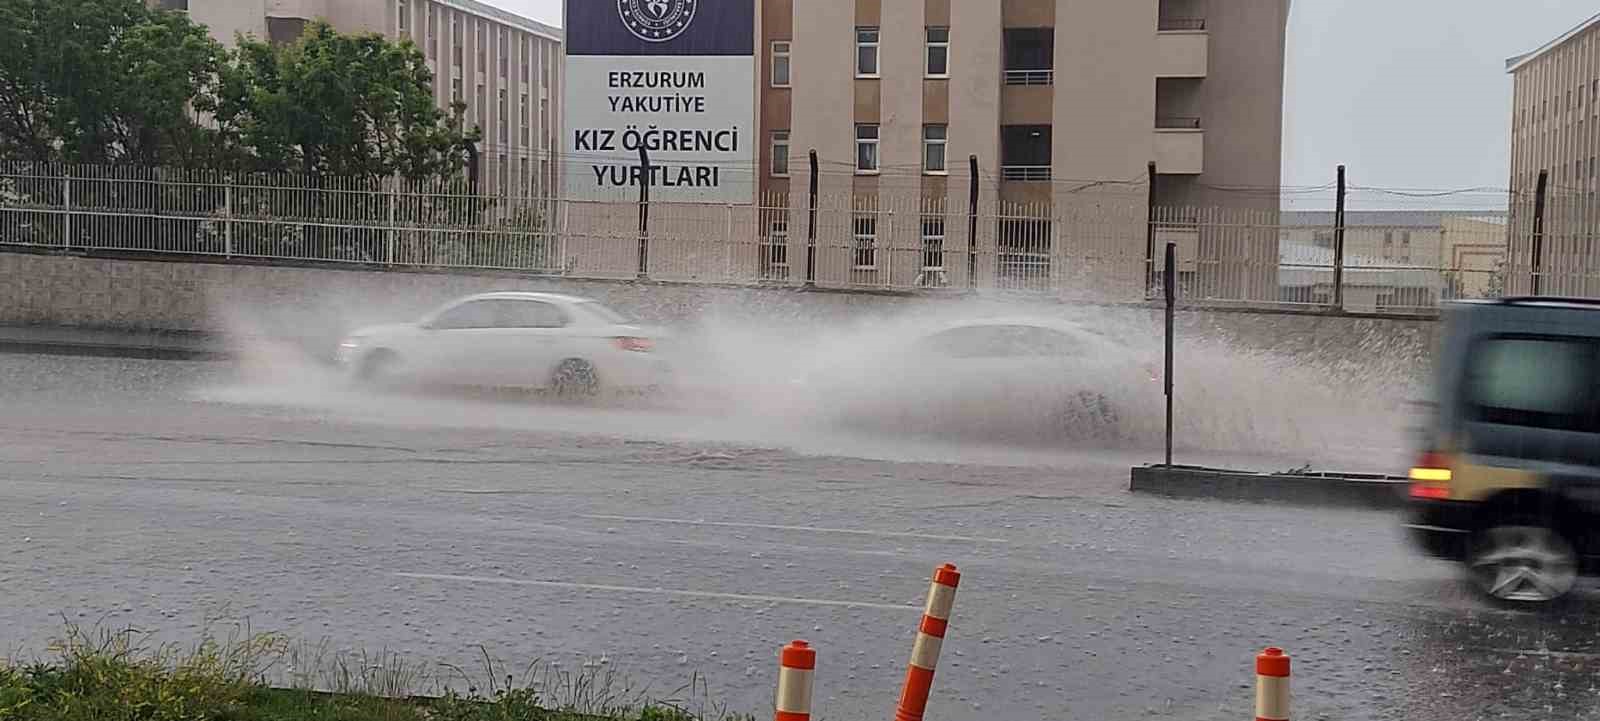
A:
(507, 69)
(1058, 100)
(1555, 131)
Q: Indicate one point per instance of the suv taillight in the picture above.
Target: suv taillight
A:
(637, 345)
(1431, 476)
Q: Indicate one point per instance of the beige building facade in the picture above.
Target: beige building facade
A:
(1062, 102)
(1555, 130)
(506, 68)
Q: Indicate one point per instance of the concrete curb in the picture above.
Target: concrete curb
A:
(48, 340)
(1333, 490)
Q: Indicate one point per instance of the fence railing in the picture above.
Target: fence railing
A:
(1173, 24)
(1103, 247)
(1030, 77)
(1033, 173)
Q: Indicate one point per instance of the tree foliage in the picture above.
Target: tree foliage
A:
(344, 105)
(114, 82)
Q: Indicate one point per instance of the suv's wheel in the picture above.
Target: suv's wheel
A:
(575, 378)
(1523, 562)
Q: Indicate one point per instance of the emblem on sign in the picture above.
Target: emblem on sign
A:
(657, 21)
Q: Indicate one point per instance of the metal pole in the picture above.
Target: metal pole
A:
(644, 212)
(1169, 285)
(394, 200)
(66, 203)
(1150, 232)
(1537, 265)
(972, 221)
(227, 217)
(1338, 244)
(811, 227)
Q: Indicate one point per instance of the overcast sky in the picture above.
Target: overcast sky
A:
(1406, 93)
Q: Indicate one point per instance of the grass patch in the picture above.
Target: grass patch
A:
(244, 676)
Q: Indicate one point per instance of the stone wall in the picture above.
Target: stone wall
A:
(316, 305)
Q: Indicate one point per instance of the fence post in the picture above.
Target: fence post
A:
(66, 204)
(811, 227)
(972, 221)
(888, 263)
(389, 239)
(227, 216)
(1537, 264)
(731, 243)
(1169, 283)
(1150, 231)
(644, 213)
(1338, 244)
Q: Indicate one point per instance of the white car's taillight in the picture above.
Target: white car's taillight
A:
(637, 345)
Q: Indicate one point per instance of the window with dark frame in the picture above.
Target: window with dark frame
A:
(938, 52)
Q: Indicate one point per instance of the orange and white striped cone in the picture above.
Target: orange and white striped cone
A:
(1272, 685)
(796, 662)
(930, 639)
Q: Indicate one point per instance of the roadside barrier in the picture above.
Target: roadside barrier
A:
(1272, 685)
(930, 639)
(796, 664)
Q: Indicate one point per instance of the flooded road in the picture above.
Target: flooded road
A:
(676, 541)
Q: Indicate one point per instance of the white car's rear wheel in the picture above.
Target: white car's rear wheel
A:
(575, 378)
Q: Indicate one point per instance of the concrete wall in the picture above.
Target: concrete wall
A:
(316, 305)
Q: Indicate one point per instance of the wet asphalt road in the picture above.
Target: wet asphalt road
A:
(158, 494)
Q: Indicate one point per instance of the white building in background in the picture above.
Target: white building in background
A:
(508, 69)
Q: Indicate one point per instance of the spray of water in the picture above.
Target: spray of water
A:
(798, 383)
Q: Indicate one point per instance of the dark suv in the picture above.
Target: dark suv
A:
(1509, 478)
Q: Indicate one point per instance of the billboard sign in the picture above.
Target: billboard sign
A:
(673, 77)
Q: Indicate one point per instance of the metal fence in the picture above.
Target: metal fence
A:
(1088, 247)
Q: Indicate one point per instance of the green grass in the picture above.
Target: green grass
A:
(122, 676)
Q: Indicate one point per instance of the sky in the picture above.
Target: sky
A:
(1408, 94)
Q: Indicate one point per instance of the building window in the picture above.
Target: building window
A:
(402, 15)
(505, 175)
(866, 52)
(1025, 152)
(866, 148)
(458, 41)
(525, 121)
(780, 64)
(780, 153)
(482, 38)
(934, 140)
(775, 248)
(480, 105)
(526, 70)
(938, 52)
(505, 55)
(504, 119)
(932, 242)
(455, 90)
(181, 6)
(864, 255)
(428, 11)
(525, 174)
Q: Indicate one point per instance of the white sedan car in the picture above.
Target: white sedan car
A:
(1013, 377)
(574, 346)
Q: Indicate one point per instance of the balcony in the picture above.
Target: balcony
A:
(1025, 173)
(1030, 77)
(1180, 146)
(1183, 48)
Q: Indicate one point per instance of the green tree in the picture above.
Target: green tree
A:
(340, 105)
(104, 81)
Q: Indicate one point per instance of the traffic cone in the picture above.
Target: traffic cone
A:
(930, 638)
(1272, 685)
(796, 662)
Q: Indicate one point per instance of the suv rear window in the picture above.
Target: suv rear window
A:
(1538, 382)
